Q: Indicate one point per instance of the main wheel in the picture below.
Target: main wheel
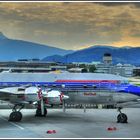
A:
(122, 118)
(38, 112)
(45, 112)
(15, 116)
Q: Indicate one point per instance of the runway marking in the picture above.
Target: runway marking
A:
(17, 125)
(12, 123)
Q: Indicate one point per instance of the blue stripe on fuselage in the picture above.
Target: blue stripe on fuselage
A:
(89, 85)
(130, 89)
(126, 88)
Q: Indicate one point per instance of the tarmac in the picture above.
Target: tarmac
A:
(74, 123)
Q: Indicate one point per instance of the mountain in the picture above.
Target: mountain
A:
(122, 55)
(2, 36)
(55, 58)
(11, 49)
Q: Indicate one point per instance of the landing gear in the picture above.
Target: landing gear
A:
(63, 106)
(39, 114)
(41, 110)
(16, 116)
(121, 118)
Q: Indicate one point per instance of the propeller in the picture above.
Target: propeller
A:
(40, 94)
(61, 97)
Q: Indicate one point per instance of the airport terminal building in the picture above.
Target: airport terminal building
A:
(30, 66)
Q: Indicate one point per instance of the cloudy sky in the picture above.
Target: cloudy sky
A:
(72, 25)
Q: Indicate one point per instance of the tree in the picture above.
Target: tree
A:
(92, 68)
(82, 65)
(84, 70)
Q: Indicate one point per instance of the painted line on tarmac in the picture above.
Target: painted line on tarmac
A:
(12, 123)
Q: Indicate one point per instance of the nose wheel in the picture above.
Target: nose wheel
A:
(121, 118)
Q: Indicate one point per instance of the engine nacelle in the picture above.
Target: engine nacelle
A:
(55, 97)
(33, 94)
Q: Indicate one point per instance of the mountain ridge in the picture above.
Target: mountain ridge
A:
(13, 49)
(119, 55)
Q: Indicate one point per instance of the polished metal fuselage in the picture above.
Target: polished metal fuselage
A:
(99, 97)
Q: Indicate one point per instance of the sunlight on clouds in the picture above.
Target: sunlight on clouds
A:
(80, 24)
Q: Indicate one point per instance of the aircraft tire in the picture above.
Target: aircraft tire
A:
(45, 110)
(15, 116)
(38, 112)
(122, 118)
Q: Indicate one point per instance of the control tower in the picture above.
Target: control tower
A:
(107, 59)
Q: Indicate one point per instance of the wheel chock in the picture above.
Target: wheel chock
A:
(114, 128)
(51, 132)
(111, 128)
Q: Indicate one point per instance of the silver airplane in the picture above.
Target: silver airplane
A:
(55, 89)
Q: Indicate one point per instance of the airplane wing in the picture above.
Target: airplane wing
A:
(19, 94)
(7, 93)
(31, 95)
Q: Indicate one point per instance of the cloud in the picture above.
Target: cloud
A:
(136, 4)
(72, 25)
